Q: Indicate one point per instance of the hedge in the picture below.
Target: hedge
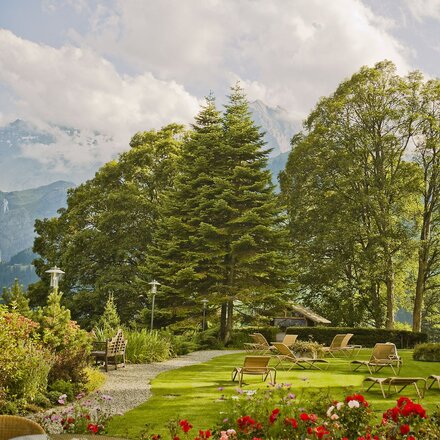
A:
(427, 352)
(366, 337)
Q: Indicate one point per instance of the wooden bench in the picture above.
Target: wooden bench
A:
(110, 351)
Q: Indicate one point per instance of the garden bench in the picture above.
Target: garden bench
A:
(110, 351)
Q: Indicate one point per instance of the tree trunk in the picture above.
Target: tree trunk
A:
(377, 311)
(223, 321)
(421, 282)
(389, 323)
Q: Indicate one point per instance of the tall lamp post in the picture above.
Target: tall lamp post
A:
(153, 285)
(204, 302)
(55, 275)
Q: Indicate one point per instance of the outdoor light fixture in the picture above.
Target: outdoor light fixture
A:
(153, 285)
(204, 302)
(55, 276)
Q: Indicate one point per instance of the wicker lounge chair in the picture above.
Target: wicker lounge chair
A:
(287, 355)
(383, 355)
(15, 426)
(435, 379)
(402, 382)
(255, 365)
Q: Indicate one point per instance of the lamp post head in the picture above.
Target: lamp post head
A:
(205, 302)
(55, 275)
(154, 285)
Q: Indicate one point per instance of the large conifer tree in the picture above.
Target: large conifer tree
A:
(222, 234)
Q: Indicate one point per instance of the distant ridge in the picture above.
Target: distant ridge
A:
(19, 209)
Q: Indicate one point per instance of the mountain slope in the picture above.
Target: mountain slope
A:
(18, 211)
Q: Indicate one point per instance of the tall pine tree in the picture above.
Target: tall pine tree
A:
(222, 235)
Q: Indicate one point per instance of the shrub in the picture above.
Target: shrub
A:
(25, 362)
(63, 387)
(427, 352)
(146, 346)
(366, 337)
(95, 379)
(308, 348)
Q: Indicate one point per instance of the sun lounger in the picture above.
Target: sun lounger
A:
(255, 365)
(395, 382)
(259, 345)
(434, 380)
(340, 345)
(383, 355)
(286, 355)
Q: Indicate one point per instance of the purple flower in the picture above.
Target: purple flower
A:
(62, 399)
(291, 396)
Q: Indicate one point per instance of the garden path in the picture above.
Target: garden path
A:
(131, 386)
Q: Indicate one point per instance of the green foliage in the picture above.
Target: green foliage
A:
(146, 346)
(308, 349)
(366, 337)
(63, 387)
(102, 238)
(16, 299)
(354, 200)
(427, 352)
(221, 234)
(25, 362)
(109, 322)
(95, 379)
(70, 344)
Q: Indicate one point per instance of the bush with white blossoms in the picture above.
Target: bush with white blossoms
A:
(84, 416)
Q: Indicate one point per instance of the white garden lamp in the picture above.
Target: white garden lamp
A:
(55, 276)
(153, 285)
(204, 302)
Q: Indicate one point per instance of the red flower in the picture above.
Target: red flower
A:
(320, 431)
(304, 417)
(245, 422)
(176, 437)
(185, 425)
(410, 437)
(292, 422)
(70, 420)
(155, 437)
(93, 428)
(404, 429)
(359, 397)
(274, 415)
(204, 434)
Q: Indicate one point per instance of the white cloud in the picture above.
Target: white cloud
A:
(290, 53)
(75, 87)
(422, 9)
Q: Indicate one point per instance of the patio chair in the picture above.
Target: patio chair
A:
(260, 344)
(434, 380)
(255, 365)
(383, 355)
(403, 382)
(287, 355)
(290, 340)
(15, 426)
(339, 344)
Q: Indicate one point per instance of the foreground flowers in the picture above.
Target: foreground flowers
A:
(275, 414)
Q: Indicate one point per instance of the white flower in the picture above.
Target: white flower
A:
(329, 411)
(251, 392)
(339, 405)
(334, 417)
(353, 404)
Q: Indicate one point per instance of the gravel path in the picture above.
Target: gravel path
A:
(131, 386)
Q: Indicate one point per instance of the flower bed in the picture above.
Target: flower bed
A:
(276, 413)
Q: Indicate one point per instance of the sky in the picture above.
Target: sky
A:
(115, 67)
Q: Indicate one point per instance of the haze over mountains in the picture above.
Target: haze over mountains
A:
(32, 185)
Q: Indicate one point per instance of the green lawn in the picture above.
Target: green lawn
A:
(192, 392)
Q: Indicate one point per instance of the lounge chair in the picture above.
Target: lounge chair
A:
(286, 354)
(434, 380)
(290, 340)
(340, 345)
(255, 365)
(383, 355)
(403, 382)
(260, 344)
(15, 426)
